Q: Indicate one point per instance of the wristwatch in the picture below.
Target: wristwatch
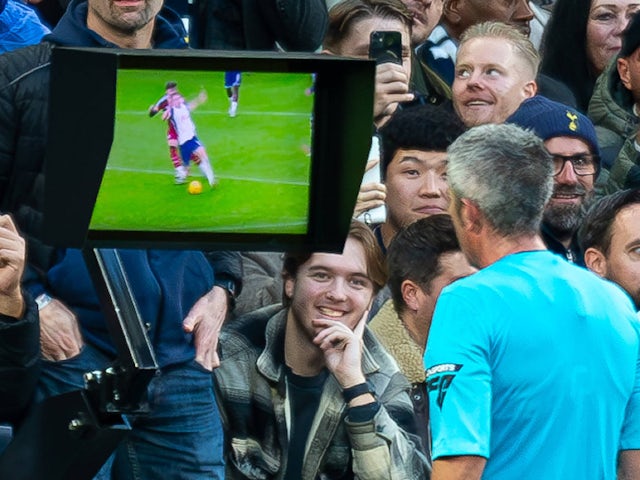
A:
(229, 285)
(43, 300)
(355, 391)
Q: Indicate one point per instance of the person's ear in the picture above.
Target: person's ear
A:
(624, 73)
(595, 261)
(410, 292)
(530, 89)
(289, 285)
(471, 216)
(451, 11)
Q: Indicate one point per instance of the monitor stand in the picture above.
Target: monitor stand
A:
(73, 434)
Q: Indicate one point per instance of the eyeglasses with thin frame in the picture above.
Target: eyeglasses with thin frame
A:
(583, 163)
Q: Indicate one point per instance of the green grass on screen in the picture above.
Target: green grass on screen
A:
(259, 157)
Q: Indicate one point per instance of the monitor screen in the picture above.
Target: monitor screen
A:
(258, 150)
(202, 149)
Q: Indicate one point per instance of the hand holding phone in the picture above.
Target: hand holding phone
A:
(385, 47)
(392, 79)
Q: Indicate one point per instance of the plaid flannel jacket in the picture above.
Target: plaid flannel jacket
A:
(251, 393)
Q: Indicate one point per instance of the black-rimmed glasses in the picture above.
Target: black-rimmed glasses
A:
(582, 163)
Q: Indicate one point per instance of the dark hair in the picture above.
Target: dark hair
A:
(415, 251)
(376, 268)
(423, 127)
(564, 49)
(595, 230)
(170, 85)
(631, 36)
(345, 14)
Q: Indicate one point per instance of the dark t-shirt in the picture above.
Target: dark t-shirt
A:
(304, 398)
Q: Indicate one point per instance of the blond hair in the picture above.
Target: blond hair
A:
(521, 44)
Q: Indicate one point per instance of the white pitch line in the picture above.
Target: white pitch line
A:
(235, 227)
(228, 177)
(225, 112)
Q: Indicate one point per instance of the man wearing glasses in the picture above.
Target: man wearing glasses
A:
(571, 139)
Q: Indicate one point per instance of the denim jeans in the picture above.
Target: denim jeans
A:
(181, 437)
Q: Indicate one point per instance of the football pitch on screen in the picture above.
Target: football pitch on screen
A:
(260, 157)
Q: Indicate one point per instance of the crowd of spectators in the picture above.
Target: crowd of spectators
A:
(487, 327)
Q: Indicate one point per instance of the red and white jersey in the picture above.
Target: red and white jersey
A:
(181, 120)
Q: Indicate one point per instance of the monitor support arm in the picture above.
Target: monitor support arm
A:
(72, 435)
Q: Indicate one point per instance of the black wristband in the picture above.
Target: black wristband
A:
(352, 392)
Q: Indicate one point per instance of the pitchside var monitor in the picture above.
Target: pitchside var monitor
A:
(287, 163)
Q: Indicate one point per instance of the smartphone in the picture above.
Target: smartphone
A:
(385, 46)
(378, 214)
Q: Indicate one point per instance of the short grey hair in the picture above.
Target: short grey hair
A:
(506, 171)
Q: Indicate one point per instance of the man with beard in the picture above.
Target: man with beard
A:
(571, 139)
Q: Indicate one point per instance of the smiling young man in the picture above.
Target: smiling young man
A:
(495, 72)
(571, 139)
(306, 391)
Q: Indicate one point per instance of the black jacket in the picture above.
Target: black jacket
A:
(296, 25)
(19, 362)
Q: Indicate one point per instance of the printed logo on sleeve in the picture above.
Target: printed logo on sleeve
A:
(439, 378)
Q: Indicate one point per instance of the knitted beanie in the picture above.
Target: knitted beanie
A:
(549, 119)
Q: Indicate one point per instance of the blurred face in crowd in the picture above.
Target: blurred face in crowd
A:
(116, 20)
(461, 14)
(426, 15)
(571, 192)
(607, 20)
(416, 184)
(629, 71)
(491, 81)
(356, 42)
(332, 287)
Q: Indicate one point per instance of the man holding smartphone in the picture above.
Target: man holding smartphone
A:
(351, 25)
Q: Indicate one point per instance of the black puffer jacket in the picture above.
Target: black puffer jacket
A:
(19, 362)
(24, 85)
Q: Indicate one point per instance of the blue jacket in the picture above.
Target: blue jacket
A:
(19, 26)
